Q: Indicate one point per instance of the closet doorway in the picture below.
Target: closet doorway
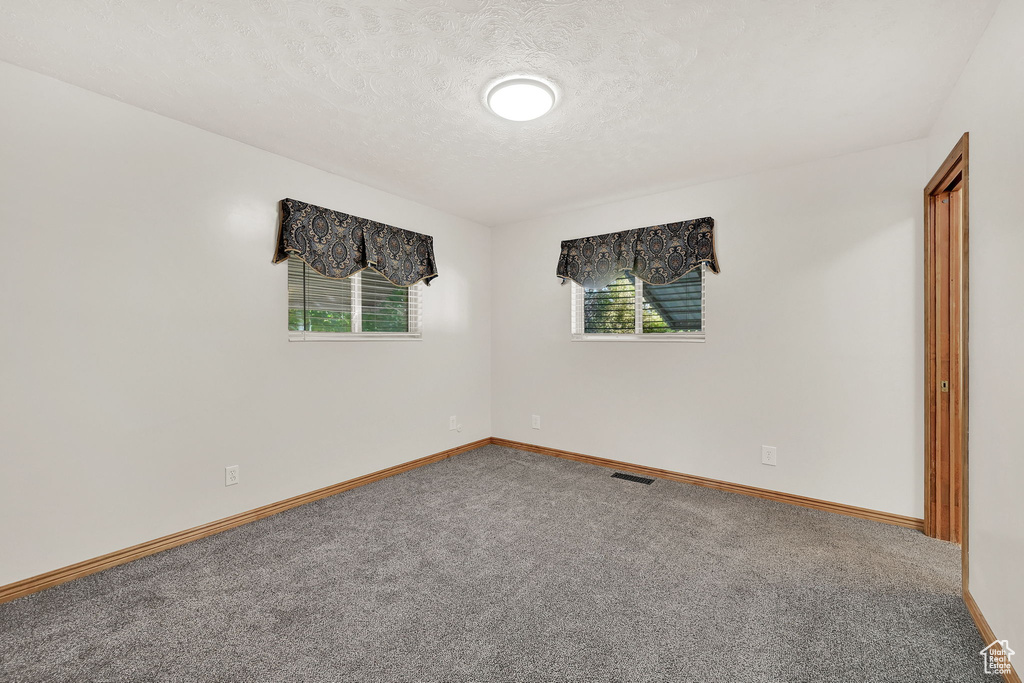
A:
(945, 323)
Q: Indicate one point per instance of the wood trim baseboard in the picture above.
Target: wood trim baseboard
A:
(792, 499)
(58, 576)
(75, 571)
(986, 632)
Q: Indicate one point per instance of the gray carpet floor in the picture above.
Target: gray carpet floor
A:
(499, 565)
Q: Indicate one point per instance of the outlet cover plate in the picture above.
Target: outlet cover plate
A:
(535, 421)
(768, 456)
(231, 475)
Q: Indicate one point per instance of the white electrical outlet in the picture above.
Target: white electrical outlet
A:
(231, 475)
(768, 456)
(453, 423)
(535, 421)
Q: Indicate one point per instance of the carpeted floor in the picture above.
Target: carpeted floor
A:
(499, 565)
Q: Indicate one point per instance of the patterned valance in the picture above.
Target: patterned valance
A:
(338, 245)
(658, 255)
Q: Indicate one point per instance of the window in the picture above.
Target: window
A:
(629, 309)
(361, 307)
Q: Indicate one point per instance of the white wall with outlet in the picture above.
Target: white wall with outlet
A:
(144, 341)
(988, 101)
(813, 337)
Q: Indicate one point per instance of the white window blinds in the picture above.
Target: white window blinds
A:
(362, 306)
(628, 308)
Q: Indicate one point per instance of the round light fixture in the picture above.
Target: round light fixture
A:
(521, 99)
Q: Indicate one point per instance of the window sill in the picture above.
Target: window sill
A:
(692, 338)
(351, 337)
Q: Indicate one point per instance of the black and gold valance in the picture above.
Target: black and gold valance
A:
(658, 255)
(338, 245)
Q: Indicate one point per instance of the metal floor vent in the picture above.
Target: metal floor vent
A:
(632, 477)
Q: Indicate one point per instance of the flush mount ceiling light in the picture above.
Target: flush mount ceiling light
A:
(521, 99)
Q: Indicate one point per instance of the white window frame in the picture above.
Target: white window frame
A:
(415, 332)
(576, 328)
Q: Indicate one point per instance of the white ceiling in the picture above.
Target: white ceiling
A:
(655, 94)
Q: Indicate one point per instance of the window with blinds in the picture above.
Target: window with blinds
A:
(629, 309)
(363, 306)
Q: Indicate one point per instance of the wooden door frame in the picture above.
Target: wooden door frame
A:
(953, 170)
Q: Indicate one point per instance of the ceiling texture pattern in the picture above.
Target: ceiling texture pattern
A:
(654, 94)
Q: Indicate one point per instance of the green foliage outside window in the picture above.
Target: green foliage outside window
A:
(319, 321)
(387, 310)
(385, 306)
(612, 309)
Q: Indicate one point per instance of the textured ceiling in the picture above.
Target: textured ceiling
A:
(654, 94)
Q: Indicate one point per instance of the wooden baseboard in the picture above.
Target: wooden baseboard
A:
(58, 576)
(986, 632)
(52, 578)
(792, 499)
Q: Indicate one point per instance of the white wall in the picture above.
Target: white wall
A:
(814, 332)
(144, 343)
(989, 103)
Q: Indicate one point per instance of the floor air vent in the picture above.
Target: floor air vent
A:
(632, 477)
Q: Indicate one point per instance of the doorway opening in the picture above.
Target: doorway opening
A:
(946, 371)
